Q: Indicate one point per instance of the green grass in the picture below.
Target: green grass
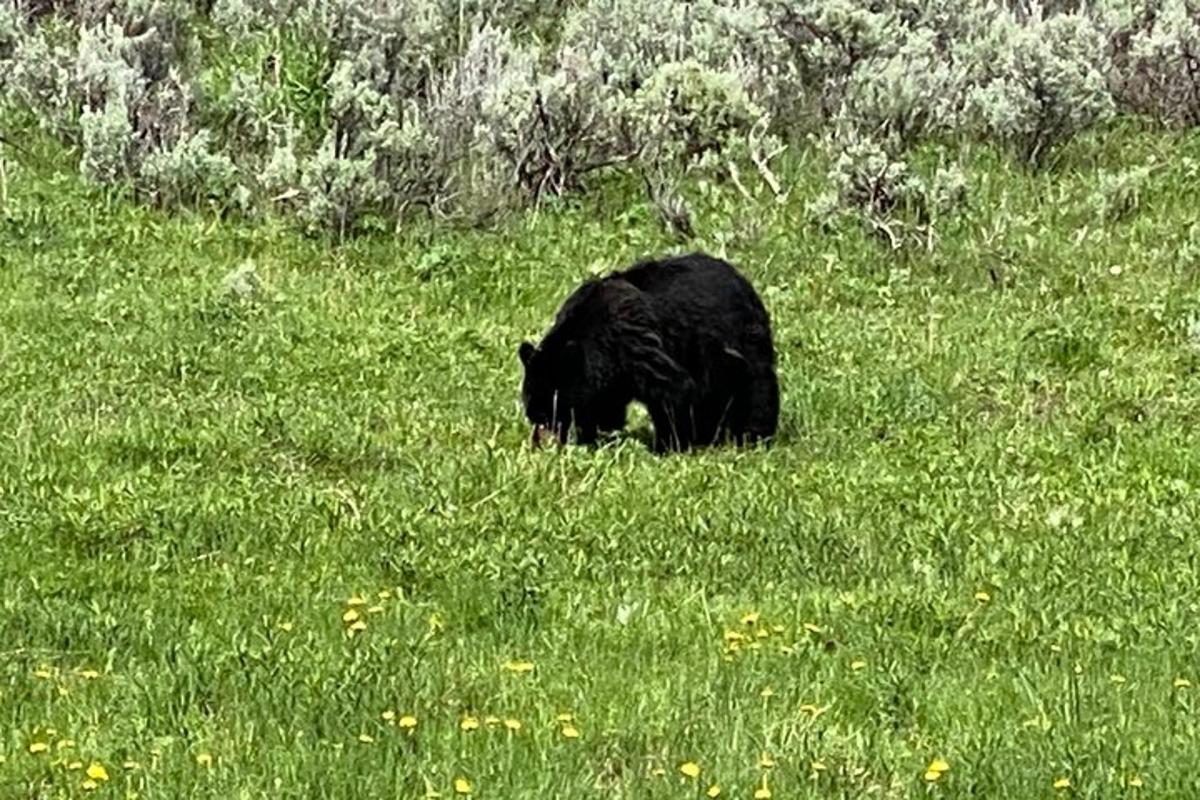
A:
(183, 475)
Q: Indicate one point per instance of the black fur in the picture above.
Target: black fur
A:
(686, 336)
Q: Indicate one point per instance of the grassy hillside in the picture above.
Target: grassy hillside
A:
(973, 542)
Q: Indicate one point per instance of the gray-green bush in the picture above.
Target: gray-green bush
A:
(350, 115)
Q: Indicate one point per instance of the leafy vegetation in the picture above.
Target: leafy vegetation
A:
(272, 527)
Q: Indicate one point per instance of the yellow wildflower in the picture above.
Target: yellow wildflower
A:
(356, 601)
(1182, 683)
(570, 732)
(286, 626)
(762, 633)
(358, 627)
(469, 724)
(89, 785)
(384, 594)
(777, 628)
(75, 765)
(518, 666)
(64, 744)
(38, 747)
(351, 615)
(983, 597)
(767, 693)
(938, 765)
(513, 725)
(565, 716)
(762, 792)
(462, 786)
(857, 665)
(44, 673)
(89, 674)
(204, 759)
(812, 628)
(1134, 781)
(735, 636)
(1117, 678)
(436, 623)
(366, 738)
(388, 716)
(1062, 783)
(713, 791)
(407, 721)
(751, 618)
(817, 766)
(690, 769)
(375, 610)
(97, 772)
(766, 761)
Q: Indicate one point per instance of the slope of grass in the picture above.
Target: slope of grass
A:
(974, 540)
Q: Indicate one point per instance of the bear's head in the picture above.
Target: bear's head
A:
(553, 388)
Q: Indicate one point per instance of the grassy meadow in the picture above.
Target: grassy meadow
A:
(284, 536)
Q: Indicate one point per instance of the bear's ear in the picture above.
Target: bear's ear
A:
(525, 351)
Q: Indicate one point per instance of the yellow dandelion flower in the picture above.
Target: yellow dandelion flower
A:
(857, 665)
(204, 759)
(89, 785)
(375, 610)
(38, 747)
(812, 627)
(469, 724)
(1062, 783)
(44, 673)
(366, 738)
(938, 765)
(713, 791)
(513, 725)
(75, 766)
(983, 597)
(565, 716)
(462, 786)
(356, 601)
(817, 766)
(358, 626)
(1134, 781)
(766, 761)
(932, 776)
(388, 716)
(751, 618)
(690, 769)
(570, 732)
(97, 772)
(384, 594)
(767, 693)
(1182, 683)
(1055, 648)
(762, 633)
(762, 792)
(518, 667)
(408, 721)
(491, 721)
(436, 623)
(735, 636)
(89, 674)
(351, 615)
(286, 626)
(64, 744)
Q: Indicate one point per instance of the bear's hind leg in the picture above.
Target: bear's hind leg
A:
(756, 412)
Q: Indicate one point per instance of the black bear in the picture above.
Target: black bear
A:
(686, 336)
